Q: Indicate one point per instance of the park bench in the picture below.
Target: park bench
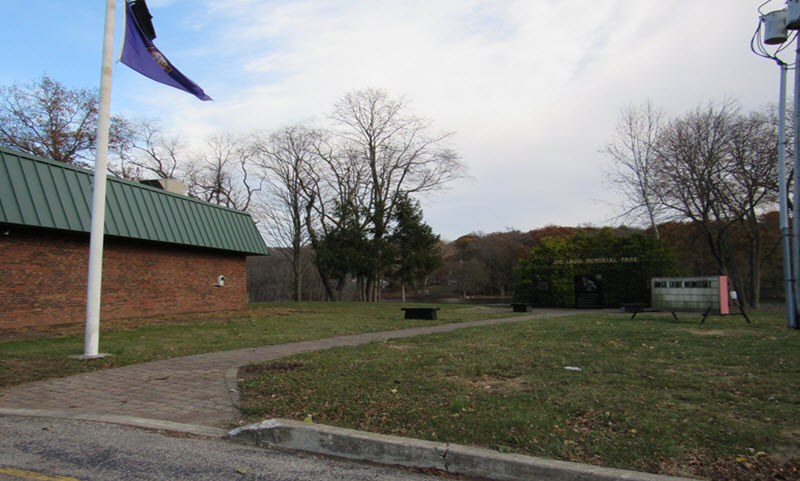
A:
(521, 307)
(420, 312)
(635, 308)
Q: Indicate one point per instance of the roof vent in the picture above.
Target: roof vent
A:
(167, 184)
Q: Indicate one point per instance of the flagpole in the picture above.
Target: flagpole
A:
(92, 336)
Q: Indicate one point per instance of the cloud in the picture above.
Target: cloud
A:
(532, 89)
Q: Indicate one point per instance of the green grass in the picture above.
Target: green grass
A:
(142, 340)
(653, 394)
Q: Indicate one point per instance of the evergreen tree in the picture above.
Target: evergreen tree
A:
(413, 246)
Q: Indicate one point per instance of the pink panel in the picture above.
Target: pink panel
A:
(724, 302)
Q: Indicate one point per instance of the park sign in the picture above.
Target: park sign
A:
(596, 260)
(701, 294)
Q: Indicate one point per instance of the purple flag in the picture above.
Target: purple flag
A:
(139, 53)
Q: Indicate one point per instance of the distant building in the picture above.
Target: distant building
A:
(163, 252)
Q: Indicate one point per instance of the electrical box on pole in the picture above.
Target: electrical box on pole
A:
(775, 32)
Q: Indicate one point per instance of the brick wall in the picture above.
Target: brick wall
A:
(43, 276)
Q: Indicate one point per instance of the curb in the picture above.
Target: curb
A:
(194, 429)
(452, 458)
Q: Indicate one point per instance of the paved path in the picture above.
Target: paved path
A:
(197, 390)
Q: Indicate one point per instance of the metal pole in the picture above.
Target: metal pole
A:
(795, 254)
(92, 336)
(784, 207)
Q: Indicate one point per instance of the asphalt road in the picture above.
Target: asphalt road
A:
(68, 450)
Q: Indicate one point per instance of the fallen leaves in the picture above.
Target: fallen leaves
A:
(757, 467)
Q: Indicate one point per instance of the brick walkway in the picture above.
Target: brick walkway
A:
(194, 389)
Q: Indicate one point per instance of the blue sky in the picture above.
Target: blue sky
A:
(532, 88)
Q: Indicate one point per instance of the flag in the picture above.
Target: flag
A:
(143, 18)
(139, 53)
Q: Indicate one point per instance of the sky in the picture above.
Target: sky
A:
(532, 89)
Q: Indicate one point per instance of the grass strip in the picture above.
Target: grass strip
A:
(650, 394)
(43, 353)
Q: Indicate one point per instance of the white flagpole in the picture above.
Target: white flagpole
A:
(92, 336)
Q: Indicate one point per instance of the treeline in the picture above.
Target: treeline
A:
(490, 265)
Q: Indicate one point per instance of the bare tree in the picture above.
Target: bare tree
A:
(333, 187)
(399, 153)
(753, 151)
(220, 173)
(716, 168)
(286, 158)
(122, 149)
(159, 155)
(633, 152)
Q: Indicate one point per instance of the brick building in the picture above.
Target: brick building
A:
(163, 252)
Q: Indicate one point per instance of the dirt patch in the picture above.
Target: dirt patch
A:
(701, 332)
(256, 369)
(497, 384)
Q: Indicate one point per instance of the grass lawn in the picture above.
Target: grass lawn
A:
(34, 354)
(719, 400)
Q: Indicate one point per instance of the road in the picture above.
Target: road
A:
(68, 450)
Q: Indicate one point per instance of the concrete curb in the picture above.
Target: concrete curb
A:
(119, 419)
(395, 450)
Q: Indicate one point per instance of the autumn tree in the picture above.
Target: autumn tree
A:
(466, 264)
(500, 252)
(473, 277)
(47, 119)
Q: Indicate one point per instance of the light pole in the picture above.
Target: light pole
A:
(775, 27)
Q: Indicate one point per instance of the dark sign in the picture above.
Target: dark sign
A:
(589, 291)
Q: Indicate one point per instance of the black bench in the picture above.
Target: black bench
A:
(420, 312)
(521, 307)
(635, 308)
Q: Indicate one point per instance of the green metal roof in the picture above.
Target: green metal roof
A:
(44, 193)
